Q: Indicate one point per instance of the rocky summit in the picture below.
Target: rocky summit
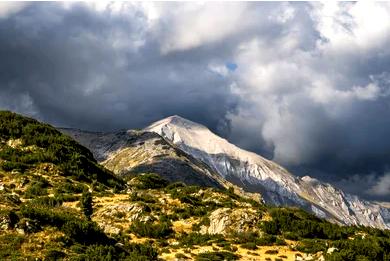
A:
(276, 185)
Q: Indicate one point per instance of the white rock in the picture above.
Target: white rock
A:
(277, 185)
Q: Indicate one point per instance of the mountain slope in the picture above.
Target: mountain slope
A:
(127, 153)
(132, 152)
(257, 174)
(41, 170)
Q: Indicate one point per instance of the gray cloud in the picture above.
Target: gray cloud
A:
(311, 87)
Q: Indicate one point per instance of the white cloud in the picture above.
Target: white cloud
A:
(301, 93)
(382, 187)
(10, 8)
(192, 25)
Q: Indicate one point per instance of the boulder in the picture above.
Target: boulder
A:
(226, 220)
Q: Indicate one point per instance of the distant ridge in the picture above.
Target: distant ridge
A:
(257, 174)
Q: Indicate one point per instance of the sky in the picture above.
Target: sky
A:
(306, 84)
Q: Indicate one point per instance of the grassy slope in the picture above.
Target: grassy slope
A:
(44, 173)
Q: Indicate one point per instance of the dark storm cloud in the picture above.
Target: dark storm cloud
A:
(310, 88)
(83, 68)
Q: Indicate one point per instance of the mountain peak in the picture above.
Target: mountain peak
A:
(275, 183)
(176, 121)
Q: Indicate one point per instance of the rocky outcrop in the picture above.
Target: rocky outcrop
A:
(114, 217)
(227, 220)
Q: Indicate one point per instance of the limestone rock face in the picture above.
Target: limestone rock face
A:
(226, 220)
(257, 174)
(132, 152)
(113, 218)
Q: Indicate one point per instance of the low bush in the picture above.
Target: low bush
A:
(37, 188)
(205, 221)
(267, 240)
(150, 229)
(46, 215)
(142, 197)
(174, 185)
(151, 181)
(54, 254)
(47, 201)
(368, 248)
(84, 232)
(191, 239)
(271, 252)
(297, 223)
(10, 245)
(69, 187)
(245, 237)
(217, 256)
(249, 245)
(311, 245)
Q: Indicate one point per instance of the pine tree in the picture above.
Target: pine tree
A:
(86, 204)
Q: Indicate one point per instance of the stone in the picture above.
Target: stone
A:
(226, 220)
(331, 250)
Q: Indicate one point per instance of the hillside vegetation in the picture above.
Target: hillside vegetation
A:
(57, 203)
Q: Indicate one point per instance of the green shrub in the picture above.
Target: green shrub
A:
(47, 201)
(230, 248)
(205, 221)
(142, 197)
(175, 185)
(36, 188)
(69, 187)
(191, 239)
(271, 252)
(84, 232)
(180, 255)
(245, 237)
(45, 215)
(217, 256)
(151, 181)
(86, 204)
(54, 254)
(150, 229)
(10, 246)
(75, 228)
(141, 252)
(66, 197)
(267, 240)
(311, 245)
(280, 242)
(271, 227)
(369, 248)
(297, 223)
(249, 245)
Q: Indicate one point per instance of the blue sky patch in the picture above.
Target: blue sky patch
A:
(231, 66)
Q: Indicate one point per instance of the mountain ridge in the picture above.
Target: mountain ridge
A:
(279, 186)
(130, 152)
